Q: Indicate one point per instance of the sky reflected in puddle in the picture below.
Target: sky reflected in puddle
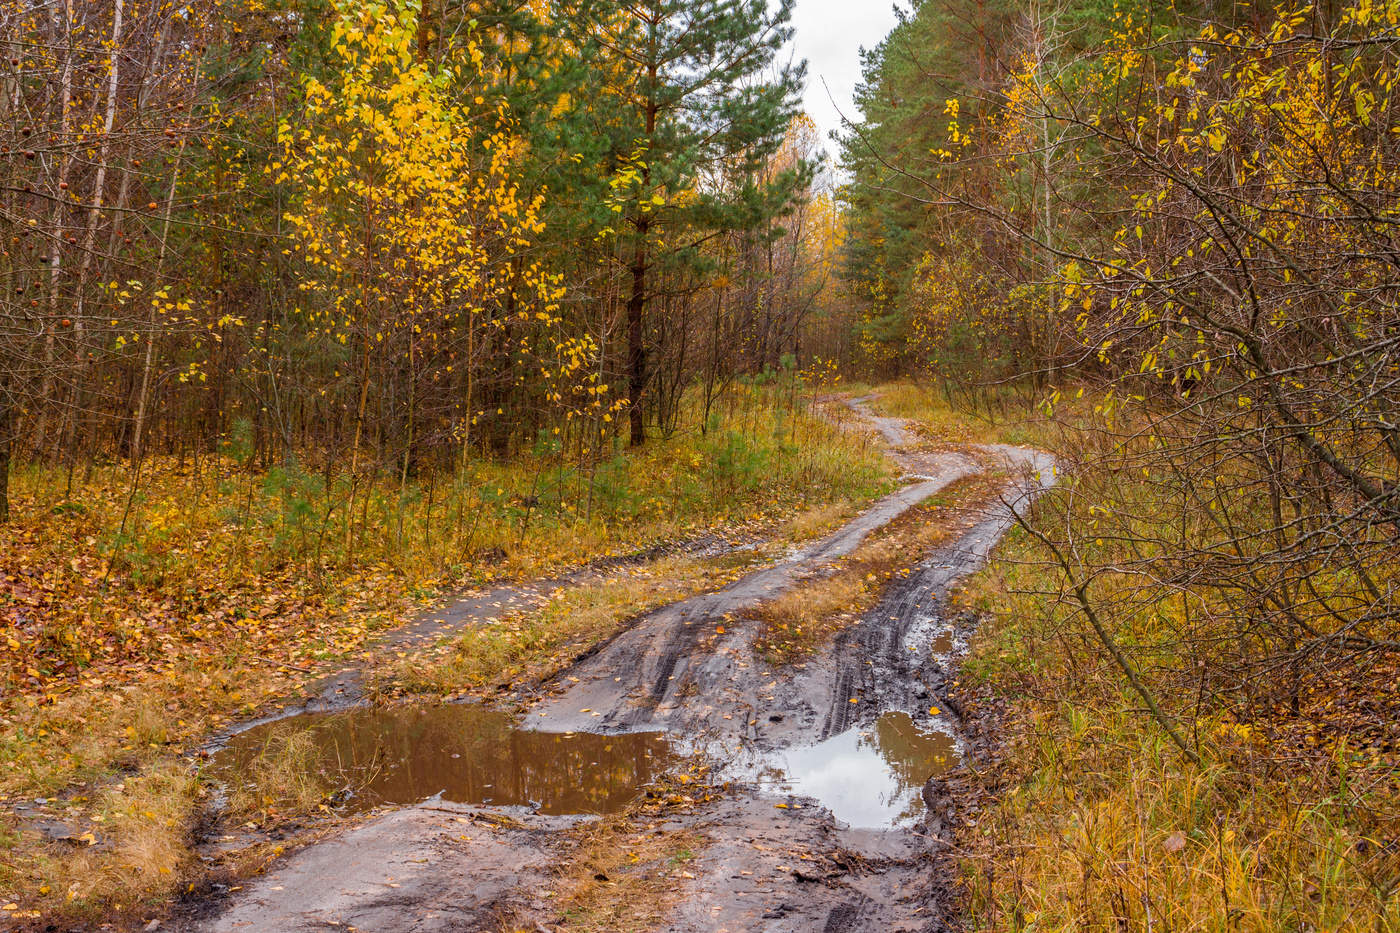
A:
(871, 777)
(364, 758)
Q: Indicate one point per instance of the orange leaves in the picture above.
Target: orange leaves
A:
(82, 607)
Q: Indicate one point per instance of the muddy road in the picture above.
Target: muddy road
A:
(815, 808)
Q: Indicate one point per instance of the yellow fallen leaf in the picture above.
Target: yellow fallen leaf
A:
(934, 711)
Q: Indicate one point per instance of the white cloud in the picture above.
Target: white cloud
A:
(830, 34)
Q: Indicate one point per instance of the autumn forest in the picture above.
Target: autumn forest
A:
(980, 515)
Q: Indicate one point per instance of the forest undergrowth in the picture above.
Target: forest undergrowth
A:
(1287, 820)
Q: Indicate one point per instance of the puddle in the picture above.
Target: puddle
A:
(930, 635)
(366, 758)
(868, 778)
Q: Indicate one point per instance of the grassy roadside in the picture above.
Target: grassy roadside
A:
(132, 623)
(530, 646)
(1290, 822)
(798, 623)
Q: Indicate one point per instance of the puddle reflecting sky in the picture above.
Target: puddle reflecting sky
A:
(465, 753)
(871, 777)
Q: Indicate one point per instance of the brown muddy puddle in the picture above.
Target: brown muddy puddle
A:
(359, 759)
(368, 757)
(870, 777)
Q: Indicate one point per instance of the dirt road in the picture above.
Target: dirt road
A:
(816, 816)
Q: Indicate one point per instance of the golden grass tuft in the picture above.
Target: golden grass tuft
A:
(795, 624)
(281, 779)
(818, 520)
(799, 622)
(533, 645)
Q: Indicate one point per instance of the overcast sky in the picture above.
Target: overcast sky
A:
(830, 34)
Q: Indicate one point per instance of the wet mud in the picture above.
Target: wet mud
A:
(832, 809)
(431, 867)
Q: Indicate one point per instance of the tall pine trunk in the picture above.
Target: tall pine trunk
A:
(637, 303)
(636, 336)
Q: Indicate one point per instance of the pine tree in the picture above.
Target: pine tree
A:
(939, 51)
(697, 88)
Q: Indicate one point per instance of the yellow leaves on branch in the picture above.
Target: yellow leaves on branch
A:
(408, 207)
(1277, 109)
(407, 196)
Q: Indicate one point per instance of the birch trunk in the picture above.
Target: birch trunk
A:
(56, 225)
(99, 191)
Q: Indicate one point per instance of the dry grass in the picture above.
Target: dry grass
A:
(625, 872)
(1104, 827)
(818, 520)
(1291, 823)
(796, 624)
(533, 645)
(624, 877)
(799, 622)
(279, 780)
(130, 851)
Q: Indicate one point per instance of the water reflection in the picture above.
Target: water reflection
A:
(870, 777)
(465, 753)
